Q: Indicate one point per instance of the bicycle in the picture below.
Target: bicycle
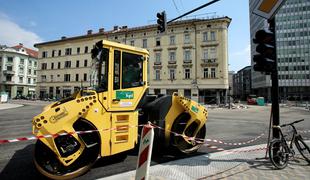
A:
(280, 151)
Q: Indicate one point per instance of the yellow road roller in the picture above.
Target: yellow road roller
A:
(104, 119)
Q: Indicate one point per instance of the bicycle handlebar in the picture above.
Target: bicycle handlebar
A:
(283, 125)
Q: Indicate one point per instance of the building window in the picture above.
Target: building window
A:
(85, 77)
(21, 79)
(144, 43)
(22, 61)
(213, 73)
(59, 65)
(157, 74)
(67, 64)
(76, 77)
(85, 63)
(29, 71)
(29, 80)
(52, 78)
(53, 53)
(187, 55)
(172, 56)
(68, 51)
(86, 49)
(44, 54)
(9, 68)
(66, 77)
(172, 40)
(21, 70)
(213, 36)
(158, 41)
(10, 59)
(187, 73)
(213, 52)
(52, 65)
(132, 43)
(59, 52)
(157, 57)
(8, 78)
(186, 39)
(172, 74)
(44, 66)
(43, 78)
(205, 73)
(205, 54)
(77, 64)
(34, 72)
(205, 36)
(78, 50)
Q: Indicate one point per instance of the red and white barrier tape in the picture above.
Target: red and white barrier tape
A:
(198, 140)
(60, 134)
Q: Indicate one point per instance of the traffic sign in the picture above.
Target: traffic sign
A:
(268, 8)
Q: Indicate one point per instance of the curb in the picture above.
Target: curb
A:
(5, 106)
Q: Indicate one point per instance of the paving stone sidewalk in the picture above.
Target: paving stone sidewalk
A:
(226, 165)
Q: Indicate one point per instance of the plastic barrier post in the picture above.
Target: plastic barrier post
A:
(145, 153)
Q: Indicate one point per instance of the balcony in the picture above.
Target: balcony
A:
(209, 62)
(8, 72)
(157, 65)
(8, 82)
(172, 62)
(187, 63)
(209, 43)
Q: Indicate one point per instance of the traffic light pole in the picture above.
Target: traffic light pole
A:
(275, 87)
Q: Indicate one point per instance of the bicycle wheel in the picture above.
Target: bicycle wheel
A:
(302, 148)
(278, 153)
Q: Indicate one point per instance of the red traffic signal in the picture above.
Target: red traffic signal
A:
(161, 21)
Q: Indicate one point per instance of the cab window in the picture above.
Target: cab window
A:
(132, 70)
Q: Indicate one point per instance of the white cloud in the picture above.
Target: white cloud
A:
(12, 34)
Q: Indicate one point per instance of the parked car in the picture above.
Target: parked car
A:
(251, 100)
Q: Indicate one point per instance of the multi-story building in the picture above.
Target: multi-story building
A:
(293, 51)
(18, 66)
(190, 58)
(242, 83)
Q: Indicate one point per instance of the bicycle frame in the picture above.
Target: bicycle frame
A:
(282, 137)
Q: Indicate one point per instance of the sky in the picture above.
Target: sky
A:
(34, 21)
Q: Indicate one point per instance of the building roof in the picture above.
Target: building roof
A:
(122, 30)
(30, 52)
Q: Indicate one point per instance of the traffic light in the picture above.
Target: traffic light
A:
(161, 21)
(266, 48)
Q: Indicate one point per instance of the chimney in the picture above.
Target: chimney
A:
(21, 44)
(63, 37)
(89, 32)
(101, 30)
(115, 28)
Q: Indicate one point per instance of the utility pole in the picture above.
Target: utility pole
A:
(275, 85)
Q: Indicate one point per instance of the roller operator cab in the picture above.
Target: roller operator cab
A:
(103, 120)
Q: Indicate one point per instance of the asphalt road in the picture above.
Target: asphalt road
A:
(233, 126)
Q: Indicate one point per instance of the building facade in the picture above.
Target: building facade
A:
(293, 51)
(191, 58)
(242, 83)
(18, 66)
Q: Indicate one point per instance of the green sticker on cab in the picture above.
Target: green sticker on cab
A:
(195, 109)
(124, 95)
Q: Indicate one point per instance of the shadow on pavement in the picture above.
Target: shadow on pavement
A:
(21, 166)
